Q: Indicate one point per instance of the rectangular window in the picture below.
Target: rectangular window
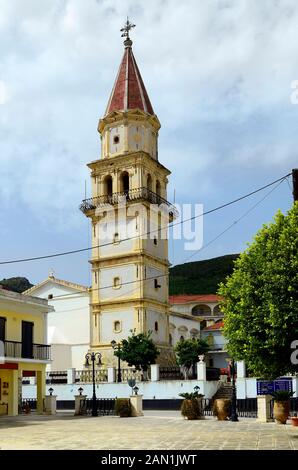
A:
(2, 328)
(117, 283)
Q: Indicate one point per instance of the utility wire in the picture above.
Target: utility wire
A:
(71, 252)
(186, 260)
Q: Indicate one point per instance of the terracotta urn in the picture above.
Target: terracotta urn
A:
(281, 411)
(294, 420)
(222, 408)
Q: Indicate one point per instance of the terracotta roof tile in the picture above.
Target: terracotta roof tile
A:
(183, 299)
(217, 326)
(129, 91)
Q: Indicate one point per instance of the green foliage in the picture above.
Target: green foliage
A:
(188, 350)
(16, 284)
(282, 395)
(260, 299)
(191, 395)
(123, 407)
(138, 351)
(200, 277)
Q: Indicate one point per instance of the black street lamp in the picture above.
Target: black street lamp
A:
(117, 346)
(93, 356)
(234, 416)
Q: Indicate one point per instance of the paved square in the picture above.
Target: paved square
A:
(156, 430)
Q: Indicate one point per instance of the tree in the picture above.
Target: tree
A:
(138, 351)
(187, 352)
(260, 299)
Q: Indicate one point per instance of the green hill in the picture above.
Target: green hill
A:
(200, 277)
(16, 284)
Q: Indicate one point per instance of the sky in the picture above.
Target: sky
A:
(219, 76)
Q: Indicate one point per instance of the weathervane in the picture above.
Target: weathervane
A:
(127, 27)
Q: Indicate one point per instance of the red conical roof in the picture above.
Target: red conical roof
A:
(129, 91)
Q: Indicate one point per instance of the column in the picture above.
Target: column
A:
(201, 370)
(154, 372)
(41, 389)
(263, 406)
(111, 374)
(13, 400)
(136, 402)
(71, 376)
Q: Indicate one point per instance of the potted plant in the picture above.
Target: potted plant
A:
(281, 408)
(294, 420)
(222, 408)
(192, 405)
(123, 407)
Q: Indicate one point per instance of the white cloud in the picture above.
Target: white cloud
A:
(205, 64)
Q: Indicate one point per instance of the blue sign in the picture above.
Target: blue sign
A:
(267, 387)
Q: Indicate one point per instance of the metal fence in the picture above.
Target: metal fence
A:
(170, 373)
(56, 377)
(104, 406)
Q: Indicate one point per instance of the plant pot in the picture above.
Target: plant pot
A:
(281, 411)
(221, 408)
(294, 420)
(191, 409)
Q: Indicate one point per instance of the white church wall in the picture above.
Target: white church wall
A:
(167, 389)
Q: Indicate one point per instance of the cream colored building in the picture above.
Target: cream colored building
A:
(23, 348)
(129, 270)
(68, 322)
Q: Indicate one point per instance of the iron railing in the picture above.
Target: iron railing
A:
(17, 349)
(85, 376)
(104, 406)
(56, 377)
(170, 373)
(130, 195)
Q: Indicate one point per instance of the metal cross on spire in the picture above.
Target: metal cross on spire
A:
(127, 27)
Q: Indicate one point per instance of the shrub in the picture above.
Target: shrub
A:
(282, 395)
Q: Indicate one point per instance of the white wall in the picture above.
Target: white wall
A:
(107, 319)
(160, 390)
(68, 325)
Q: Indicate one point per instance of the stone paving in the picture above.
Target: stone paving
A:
(165, 430)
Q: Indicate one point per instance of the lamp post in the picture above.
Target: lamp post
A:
(93, 356)
(234, 416)
(117, 346)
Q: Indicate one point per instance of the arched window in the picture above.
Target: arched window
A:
(201, 310)
(194, 333)
(108, 186)
(158, 188)
(216, 311)
(171, 340)
(156, 326)
(181, 338)
(149, 182)
(117, 326)
(124, 182)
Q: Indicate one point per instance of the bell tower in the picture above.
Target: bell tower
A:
(129, 213)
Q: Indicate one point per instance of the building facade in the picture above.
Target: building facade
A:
(129, 213)
(199, 316)
(23, 348)
(68, 322)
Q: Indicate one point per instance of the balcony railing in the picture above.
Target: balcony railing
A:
(130, 195)
(18, 350)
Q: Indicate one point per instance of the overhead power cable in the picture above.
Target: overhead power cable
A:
(158, 276)
(81, 250)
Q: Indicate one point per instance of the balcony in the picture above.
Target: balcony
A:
(18, 350)
(131, 195)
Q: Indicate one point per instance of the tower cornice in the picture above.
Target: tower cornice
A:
(136, 114)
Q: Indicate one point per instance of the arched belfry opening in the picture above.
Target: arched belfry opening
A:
(124, 182)
(108, 186)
